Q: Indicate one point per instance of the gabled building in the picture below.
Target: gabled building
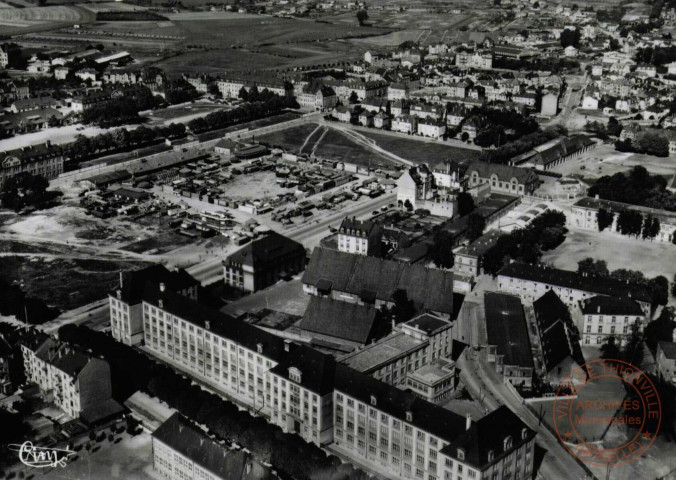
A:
(666, 361)
(502, 178)
(76, 382)
(469, 259)
(43, 159)
(347, 324)
(264, 262)
(359, 236)
(559, 339)
(508, 340)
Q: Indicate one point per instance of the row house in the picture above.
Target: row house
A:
(458, 89)
(375, 105)
(427, 111)
(43, 159)
(405, 124)
(73, 380)
(431, 128)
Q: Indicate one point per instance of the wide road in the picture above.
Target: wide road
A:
(210, 271)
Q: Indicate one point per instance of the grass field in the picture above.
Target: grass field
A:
(290, 139)
(336, 146)
(421, 152)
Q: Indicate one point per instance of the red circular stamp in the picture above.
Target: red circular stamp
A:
(600, 395)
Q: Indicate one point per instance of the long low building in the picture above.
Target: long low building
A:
(530, 282)
(330, 404)
(585, 215)
(508, 339)
(43, 159)
(369, 280)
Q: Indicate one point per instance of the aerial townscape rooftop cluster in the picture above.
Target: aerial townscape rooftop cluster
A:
(337, 240)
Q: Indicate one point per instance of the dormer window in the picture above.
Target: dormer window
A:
(119, 294)
(259, 347)
(491, 455)
(409, 416)
(373, 400)
(507, 442)
(461, 454)
(524, 433)
(294, 374)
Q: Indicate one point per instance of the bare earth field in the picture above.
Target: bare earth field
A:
(618, 250)
(290, 138)
(252, 186)
(419, 151)
(336, 146)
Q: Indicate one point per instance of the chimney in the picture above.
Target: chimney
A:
(287, 345)
(162, 287)
(207, 325)
(121, 279)
(598, 309)
(468, 421)
(160, 303)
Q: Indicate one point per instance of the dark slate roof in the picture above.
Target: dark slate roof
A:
(221, 324)
(488, 434)
(611, 306)
(134, 282)
(62, 356)
(549, 309)
(348, 321)
(429, 289)
(555, 346)
(507, 329)
(429, 323)
(181, 435)
(504, 172)
(568, 279)
(317, 369)
(669, 349)
(352, 226)
(266, 251)
(481, 245)
(389, 399)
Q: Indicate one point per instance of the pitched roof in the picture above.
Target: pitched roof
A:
(429, 289)
(266, 251)
(348, 321)
(317, 369)
(181, 435)
(669, 349)
(488, 434)
(611, 306)
(133, 283)
(504, 172)
(357, 227)
(549, 309)
(507, 329)
(221, 324)
(389, 399)
(573, 280)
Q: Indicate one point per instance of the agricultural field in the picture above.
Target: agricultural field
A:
(15, 21)
(419, 151)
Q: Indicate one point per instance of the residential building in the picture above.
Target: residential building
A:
(666, 361)
(508, 339)
(382, 120)
(397, 91)
(43, 159)
(341, 113)
(126, 317)
(478, 60)
(359, 236)
(585, 216)
(559, 339)
(530, 282)
(431, 128)
(182, 451)
(319, 97)
(405, 124)
(373, 281)
(416, 189)
(76, 382)
(264, 262)
(469, 259)
(502, 178)
(91, 99)
(7, 363)
(606, 316)
(10, 55)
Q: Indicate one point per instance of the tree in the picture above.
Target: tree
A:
(604, 218)
(27, 190)
(465, 204)
(403, 308)
(464, 136)
(628, 276)
(362, 16)
(653, 144)
(610, 349)
(354, 98)
(570, 38)
(651, 227)
(243, 94)
(408, 205)
(658, 288)
(475, 226)
(594, 268)
(442, 250)
(673, 286)
(660, 330)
